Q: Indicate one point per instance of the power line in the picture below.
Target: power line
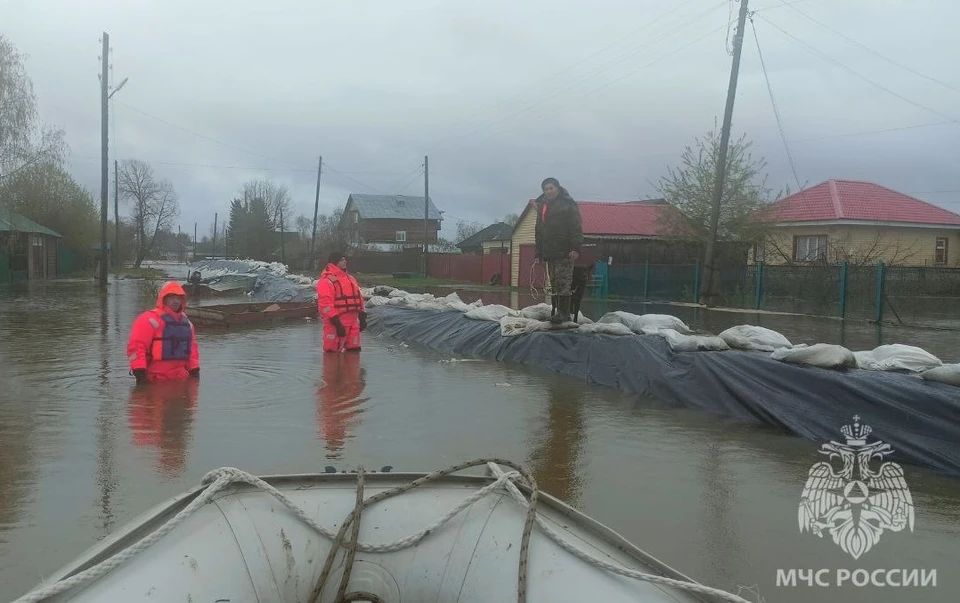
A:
(866, 132)
(868, 49)
(776, 111)
(552, 94)
(205, 137)
(552, 77)
(491, 130)
(859, 75)
(204, 165)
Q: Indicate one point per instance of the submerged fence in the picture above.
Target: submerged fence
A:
(925, 296)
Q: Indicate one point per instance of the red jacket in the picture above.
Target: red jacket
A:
(164, 342)
(337, 293)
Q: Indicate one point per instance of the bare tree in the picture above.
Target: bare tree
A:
(155, 205)
(689, 188)
(465, 230)
(511, 219)
(23, 140)
(276, 197)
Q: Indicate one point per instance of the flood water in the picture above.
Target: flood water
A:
(81, 452)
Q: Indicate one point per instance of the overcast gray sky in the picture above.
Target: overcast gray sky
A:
(500, 94)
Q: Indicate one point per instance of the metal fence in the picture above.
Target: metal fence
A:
(924, 296)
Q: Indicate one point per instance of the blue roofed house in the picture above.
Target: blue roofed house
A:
(371, 221)
(27, 250)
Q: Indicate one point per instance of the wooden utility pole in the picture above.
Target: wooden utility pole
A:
(316, 210)
(194, 241)
(116, 209)
(426, 213)
(213, 253)
(104, 159)
(706, 284)
(282, 252)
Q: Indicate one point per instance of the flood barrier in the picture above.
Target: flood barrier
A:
(919, 419)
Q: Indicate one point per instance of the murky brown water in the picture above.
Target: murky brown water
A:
(80, 453)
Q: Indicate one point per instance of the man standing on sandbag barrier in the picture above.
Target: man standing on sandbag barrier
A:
(559, 237)
(341, 306)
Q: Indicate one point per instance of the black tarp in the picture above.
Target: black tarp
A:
(919, 419)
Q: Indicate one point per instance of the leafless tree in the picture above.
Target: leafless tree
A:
(465, 230)
(690, 189)
(155, 205)
(23, 140)
(276, 197)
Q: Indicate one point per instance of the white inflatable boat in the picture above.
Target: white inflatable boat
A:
(443, 537)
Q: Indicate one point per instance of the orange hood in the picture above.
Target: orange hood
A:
(171, 288)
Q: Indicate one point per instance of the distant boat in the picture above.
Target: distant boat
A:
(450, 538)
(232, 315)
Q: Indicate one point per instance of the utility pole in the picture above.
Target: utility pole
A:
(282, 253)
(426, 213)
(706, 284)
(316, 210)
(214, 249)
(104, 159)
(116, 208)
(194, 241)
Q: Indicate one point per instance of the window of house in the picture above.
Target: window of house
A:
(940, 254)
(356, 217)
(401, 236)
(809, 248)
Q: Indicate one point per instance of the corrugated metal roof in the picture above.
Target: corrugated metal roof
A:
(393, 207)
(630, 218)
(855, 200)
(11, 221)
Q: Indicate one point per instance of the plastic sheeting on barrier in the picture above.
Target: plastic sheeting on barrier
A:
(920, 419)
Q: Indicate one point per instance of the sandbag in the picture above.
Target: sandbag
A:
(598, 328)
(896, 356)
(824, 355)
(692, 343)
(511, 326)
(648, 324)
(397, 293)
(493, 313)
(947, 373)
(377, 300)
(538, 312)
(751, 337)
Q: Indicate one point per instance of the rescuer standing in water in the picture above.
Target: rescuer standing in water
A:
(559, 237)
(341, 306)
(163, 342)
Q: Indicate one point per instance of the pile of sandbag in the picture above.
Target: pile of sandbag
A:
(679, 336)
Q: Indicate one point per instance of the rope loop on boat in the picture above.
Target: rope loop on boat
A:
(218, 480)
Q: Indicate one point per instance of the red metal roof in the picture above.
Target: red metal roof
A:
(853, 200)
(637, 219)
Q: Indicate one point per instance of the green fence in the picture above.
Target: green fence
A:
(928, 296)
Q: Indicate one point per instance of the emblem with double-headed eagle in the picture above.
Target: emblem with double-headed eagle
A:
(852, 502)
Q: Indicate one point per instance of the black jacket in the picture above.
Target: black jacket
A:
(560, 231)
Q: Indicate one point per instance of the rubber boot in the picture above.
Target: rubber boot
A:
(563, 310)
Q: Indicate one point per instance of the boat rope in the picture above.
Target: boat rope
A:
(218, 480)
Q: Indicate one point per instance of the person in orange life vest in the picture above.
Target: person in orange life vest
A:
(161, 416)
(339, 400)
(163, 342)
(341, 306)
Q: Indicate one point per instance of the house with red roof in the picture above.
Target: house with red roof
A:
(628, 232)
(860, 223)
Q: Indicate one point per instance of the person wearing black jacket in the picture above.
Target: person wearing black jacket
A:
(559, 239)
